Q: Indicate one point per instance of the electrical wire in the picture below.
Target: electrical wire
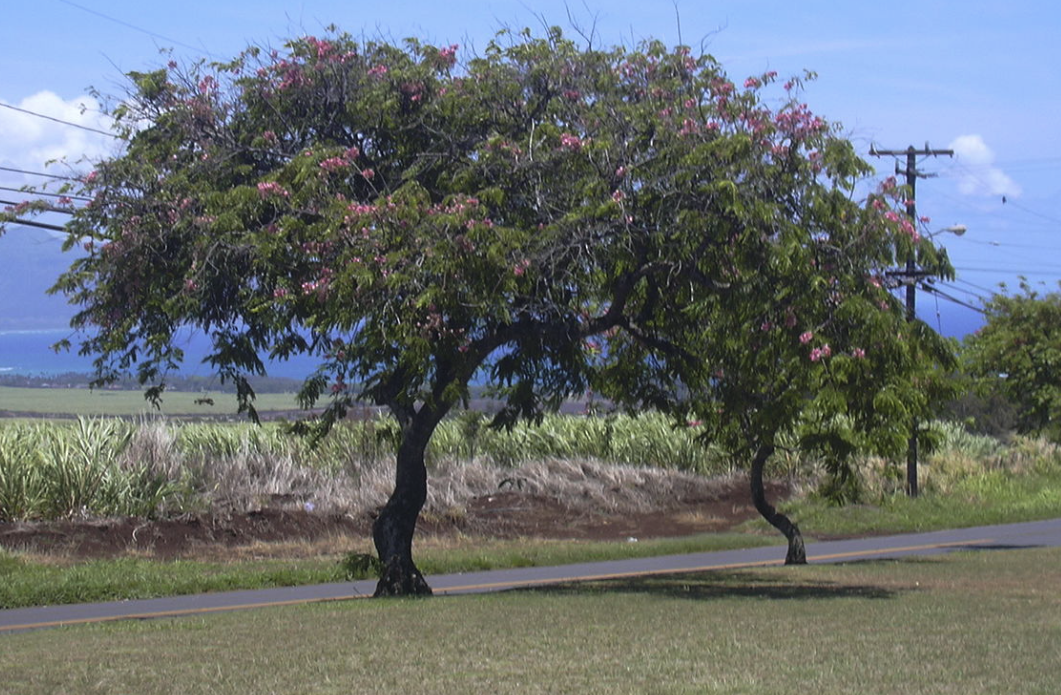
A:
(50, 209)
(933, 290)
(197, 49)
(38, 173)
(41, 225)
(59, 120)
(955, 288)
(43, 193)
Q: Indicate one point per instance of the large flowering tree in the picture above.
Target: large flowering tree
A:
(543, 217)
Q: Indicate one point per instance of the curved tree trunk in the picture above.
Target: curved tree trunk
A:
(394, 528)
(797, 553)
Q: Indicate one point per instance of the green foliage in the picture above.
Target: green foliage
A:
(545, 217)
(1017, 355)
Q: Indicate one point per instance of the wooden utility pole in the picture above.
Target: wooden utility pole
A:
(911, 275)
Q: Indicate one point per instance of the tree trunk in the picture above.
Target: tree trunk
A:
(394, 528)
(797, 553)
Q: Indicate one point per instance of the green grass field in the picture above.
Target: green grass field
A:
(70, 401)
(969, 623)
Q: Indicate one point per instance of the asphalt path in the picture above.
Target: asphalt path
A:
(1010, 536)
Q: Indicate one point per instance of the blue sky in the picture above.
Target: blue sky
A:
(981, 77)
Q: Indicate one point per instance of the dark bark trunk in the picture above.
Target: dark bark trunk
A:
(797, 553)
(394, 528)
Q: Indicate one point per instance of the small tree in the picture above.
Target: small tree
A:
(544, 217)
(1018, 354)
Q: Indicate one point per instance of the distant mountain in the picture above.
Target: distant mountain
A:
(30, 261)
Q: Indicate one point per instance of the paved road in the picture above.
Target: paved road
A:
(1027, 535)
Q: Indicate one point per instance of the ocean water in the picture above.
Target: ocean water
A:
(30, 353)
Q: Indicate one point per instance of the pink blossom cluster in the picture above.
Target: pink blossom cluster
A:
(272, 188)
(798, 122)
(378, 71)
(520, 268)
(333, 164)
(362, 208)
(818, 354)
(571, 142)
(448, 56)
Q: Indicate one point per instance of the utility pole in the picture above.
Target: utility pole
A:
(911, 274)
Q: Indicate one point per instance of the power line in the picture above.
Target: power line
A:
(970, 172)
(43, 193)
(1014, 271)
(943, 295)
(197, 49)
(975, 286)
(50, 209)
(41, 225)
(59, 120)
(38, 173)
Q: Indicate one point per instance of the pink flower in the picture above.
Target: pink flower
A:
(858, 354)
(520, 268)
(269, 136)
(752, 83)
(618, 196)
(766, 326)
(368, 173)
(570, 142)
(620, 172)
(333, 164)
(448, 56)
(271, 188)
(806, 337)
(378, 71)
(826, 350)
(815, 355)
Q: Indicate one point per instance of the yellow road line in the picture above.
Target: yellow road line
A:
(181, 612)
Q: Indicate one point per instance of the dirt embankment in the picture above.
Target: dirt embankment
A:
(505, 514)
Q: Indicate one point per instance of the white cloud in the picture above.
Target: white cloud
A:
(29, 142)
(976, 173)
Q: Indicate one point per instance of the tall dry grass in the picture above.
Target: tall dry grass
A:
(622, 463)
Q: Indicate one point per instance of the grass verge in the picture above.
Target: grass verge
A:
(975, 622)
(992, 497)
(28, 581)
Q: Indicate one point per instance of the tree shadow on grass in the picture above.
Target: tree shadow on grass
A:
(702, 586)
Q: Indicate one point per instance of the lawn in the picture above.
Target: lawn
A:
(974, 622)
(114, 403)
